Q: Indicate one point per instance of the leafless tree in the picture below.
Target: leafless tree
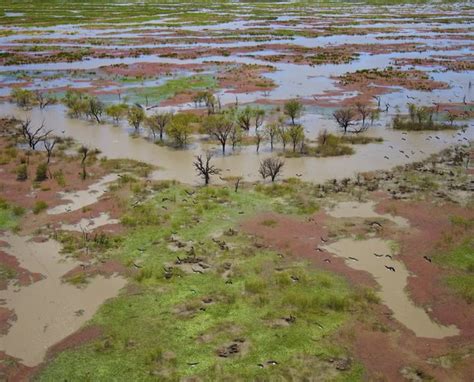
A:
(49, 147)
(204, 167)
(363, 111)
(344, 118)
(271, 167)
(44, 99)
(84, 151)
(258, 140)
(33, 136)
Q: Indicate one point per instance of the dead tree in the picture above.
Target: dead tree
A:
(32, 136)
(271, 167)
(49, 147)
(43, 100)
(84, 151)
(344, 118)
(204, 168)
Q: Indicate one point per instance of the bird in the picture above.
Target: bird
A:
(299, 175)
(390, 146)
(404, 139)
(377, 255)
(327, 260)
(390, 268)
(427, 258)
(319, 249)
(353, 258)
(389, 256)
(323, 240)
(386, 157)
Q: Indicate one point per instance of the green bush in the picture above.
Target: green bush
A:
(41, 172)
(39, 206)
(22, 172)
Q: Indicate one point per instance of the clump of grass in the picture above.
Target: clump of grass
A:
(6, 272)
(39, 207)
(9, 214)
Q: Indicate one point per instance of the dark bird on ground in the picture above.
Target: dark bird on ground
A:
(323, 240)
(404, 139)
(390, 268)
(391, 146)
(386, 157)
(377, 255)
(299, 175)
(353, 258)
(319, 249)
(427, 258)
(389, 256)
(327, 260)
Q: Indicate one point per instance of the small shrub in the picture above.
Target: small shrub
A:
(22, 172)
(39, 206)
(41, 172)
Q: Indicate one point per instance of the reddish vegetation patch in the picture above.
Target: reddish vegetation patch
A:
(432, 231)
(386, 353)
(109, 268)
(453, 63)
(12, 370)
(6, 318)
(409, 79)
(79, 338)
(302, 238)
(147, 69)
(21, 276)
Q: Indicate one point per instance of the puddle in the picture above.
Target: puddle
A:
(82, 198)
(392, 284)
(48, 310)
(88, 225)
(364, 210)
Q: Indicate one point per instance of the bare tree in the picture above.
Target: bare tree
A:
(44, 99)
(204, 167)
(84, 151)
(49, 147)
(271, 167)
(32, 136)
(344, 118)
(258, 139)
(363, 111)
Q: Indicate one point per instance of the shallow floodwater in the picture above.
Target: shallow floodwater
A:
(82, 198)
(87, 225)
(392, 284)
(364, 210)
(48, 310)
(116, 142)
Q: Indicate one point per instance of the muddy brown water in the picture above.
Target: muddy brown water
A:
(364, 210)
(392, 284)
(48, 310)
(82, 198)
(90, 224)
(116, 142)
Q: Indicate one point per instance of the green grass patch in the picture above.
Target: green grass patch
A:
(177, 321)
